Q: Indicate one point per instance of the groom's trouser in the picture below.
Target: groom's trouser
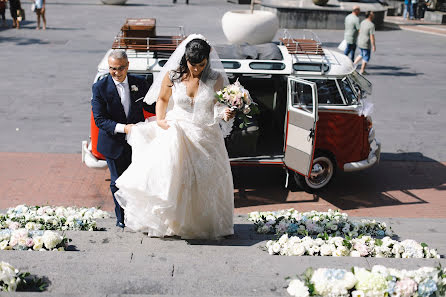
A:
(117, 167)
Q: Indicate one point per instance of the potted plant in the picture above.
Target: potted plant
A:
(114, 2)
(320, 2)
(249, 26)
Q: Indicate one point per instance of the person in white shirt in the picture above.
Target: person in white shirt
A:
(117, 104)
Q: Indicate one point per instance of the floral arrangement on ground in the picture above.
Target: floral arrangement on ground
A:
(38, 240)
(11, 279)
(379, 281)
(52, 218)
(316, 223)
(362, 246)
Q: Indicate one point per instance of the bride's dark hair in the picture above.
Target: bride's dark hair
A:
(196, 51)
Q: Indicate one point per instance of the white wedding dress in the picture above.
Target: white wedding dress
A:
(180, 181)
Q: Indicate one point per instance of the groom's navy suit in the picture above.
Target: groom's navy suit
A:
(108, 111)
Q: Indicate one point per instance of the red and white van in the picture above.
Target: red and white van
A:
(312, 117)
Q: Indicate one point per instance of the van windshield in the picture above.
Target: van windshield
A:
(347, 91)
(360, 81)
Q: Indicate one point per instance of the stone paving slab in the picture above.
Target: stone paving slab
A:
(420, 26)
(390, 189)
(130, 263)
(49, 108)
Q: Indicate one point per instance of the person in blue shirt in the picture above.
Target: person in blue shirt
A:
(406, 9)
(40, 11)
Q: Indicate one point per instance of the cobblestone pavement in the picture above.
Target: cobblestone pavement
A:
(45, 89)
(391, 189)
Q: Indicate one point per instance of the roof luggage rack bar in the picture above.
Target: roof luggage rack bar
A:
(151, 44)
(302, 46)
(143, 38)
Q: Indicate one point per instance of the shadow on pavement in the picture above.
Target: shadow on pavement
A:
(391, 70)
(23, 41)
(387, 184)
(244, 235)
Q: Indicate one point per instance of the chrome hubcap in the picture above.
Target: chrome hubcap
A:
(321, 172)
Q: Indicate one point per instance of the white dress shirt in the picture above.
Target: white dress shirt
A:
(124, 93)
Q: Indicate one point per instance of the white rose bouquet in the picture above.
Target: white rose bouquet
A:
(360, 282)
(365, 246)
(11, 279)
(23, 239)
(236, 97)
(316, 223)
(51, 218)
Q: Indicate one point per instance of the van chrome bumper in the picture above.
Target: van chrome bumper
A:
(374, 156)
(90, 160)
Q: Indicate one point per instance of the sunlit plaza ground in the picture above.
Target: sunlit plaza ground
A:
(45, 89)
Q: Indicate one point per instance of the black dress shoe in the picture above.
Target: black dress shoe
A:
(120, 225)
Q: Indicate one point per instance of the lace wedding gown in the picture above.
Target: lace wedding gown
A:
(180, 181)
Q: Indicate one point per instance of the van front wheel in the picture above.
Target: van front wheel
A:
(324, 168)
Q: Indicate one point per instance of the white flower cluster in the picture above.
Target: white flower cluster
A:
(364, 246)
(23, 239)
(378, 282)
(9, 277)
(51, 218)
(316, 223)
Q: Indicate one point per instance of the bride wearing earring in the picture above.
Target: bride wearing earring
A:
(180, 181)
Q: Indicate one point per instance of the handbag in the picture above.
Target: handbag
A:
(33, 7)
(343, 45)
(20, 15)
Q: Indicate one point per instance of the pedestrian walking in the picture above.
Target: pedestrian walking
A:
(40, 12)
(351, 23)
(406, 12)
(15, 5)
(422, 7)
(366, 40)
(413, 12)
(2, 12)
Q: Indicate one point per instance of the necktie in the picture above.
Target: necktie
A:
(124, 100)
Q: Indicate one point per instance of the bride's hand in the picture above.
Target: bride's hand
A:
(128, 128)
(163, 124)
(229, 114)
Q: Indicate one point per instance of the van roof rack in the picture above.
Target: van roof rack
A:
(140, 35)
(307, 46)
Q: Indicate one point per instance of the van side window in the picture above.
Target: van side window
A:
(302, 96)
(327, 91)
(347, 91)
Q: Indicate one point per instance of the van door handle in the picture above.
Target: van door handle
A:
(311, 135)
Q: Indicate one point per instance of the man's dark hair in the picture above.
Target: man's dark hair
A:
(368, 13)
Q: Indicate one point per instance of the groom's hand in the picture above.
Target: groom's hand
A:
(128, 128)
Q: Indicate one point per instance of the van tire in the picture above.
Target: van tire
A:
(316, 182)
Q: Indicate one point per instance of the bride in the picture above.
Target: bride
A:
(180, 181)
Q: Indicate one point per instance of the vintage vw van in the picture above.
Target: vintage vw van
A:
(312, 121)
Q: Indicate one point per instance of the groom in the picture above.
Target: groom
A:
(117, 104)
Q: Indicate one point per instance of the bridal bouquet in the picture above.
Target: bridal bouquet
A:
(237, 98)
